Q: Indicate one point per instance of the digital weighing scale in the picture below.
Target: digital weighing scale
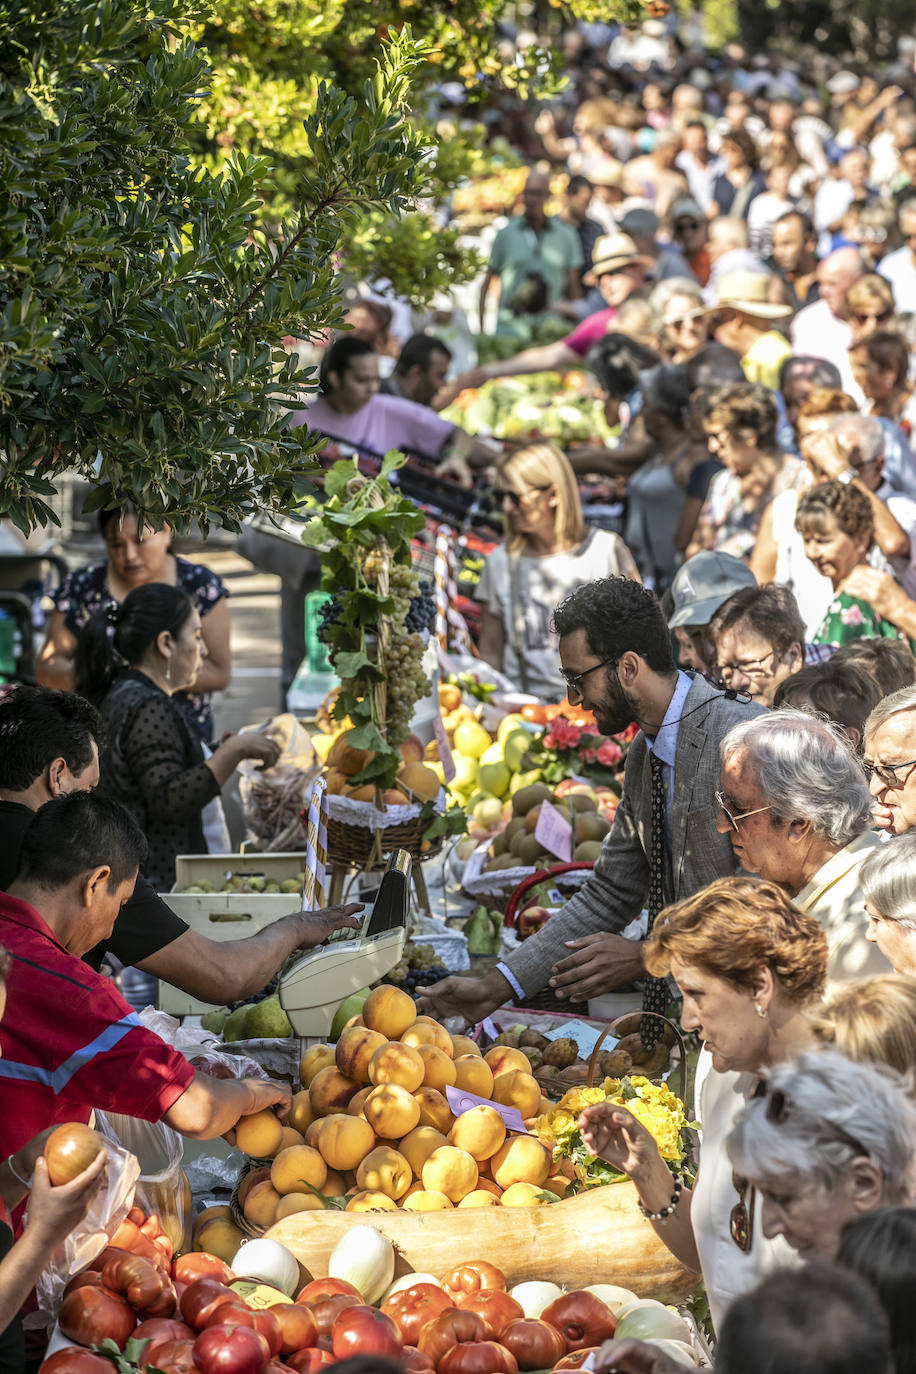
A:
(311, 991)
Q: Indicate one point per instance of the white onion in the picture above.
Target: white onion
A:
(408, 1281)
(647, 1320)
(268, 1261)
(612, 1296)
(365, 1258)
(535, 1296)
(678, 1350)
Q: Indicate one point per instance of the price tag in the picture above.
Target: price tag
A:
(445, 749)
(461, 1101)
(554, 832)
(585, 1036)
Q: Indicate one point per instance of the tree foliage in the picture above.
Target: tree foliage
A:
(142, 308)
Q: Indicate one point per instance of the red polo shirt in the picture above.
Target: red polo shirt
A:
(70, 1042)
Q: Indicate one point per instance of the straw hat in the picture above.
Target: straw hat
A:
(610, 253)
(749, 293)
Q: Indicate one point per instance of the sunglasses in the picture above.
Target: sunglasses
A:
(683, 224)
(886, 773)
(515, 499)
(780, 1107)
(683, 320)
(878, 316)
(741, 1216)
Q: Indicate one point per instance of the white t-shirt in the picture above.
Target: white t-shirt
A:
(900, 270)
(543, 583)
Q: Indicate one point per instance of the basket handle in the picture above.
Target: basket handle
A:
(612, 1026)
(554, 871)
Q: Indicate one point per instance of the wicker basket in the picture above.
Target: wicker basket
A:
(235, 1206)
(554, 1089)
(363, 845)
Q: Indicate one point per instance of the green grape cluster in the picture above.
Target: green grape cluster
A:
(405, 682)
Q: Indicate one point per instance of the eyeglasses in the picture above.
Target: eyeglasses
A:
(515, 498)
(752, 667)
(742, 815)
(886, 773)
(780, 1107)
(741, 1216)
(685, 319)
(878, 316)
(573, 680)
(683, 224)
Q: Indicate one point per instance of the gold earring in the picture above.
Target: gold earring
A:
(761, 1012)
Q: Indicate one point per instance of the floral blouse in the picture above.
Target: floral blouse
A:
(849, 617)
(84, 593)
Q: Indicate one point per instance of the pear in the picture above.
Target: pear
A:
(267, 1021)
(215, 1020)
(235, 1025)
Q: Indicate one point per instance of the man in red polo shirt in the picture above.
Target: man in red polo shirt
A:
(70, 1043)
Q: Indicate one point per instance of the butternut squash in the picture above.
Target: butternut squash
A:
(597, 1237)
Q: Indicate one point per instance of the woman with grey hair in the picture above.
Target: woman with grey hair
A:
(828, 1141)
(797, 809)
(890, 749)
(889, 886)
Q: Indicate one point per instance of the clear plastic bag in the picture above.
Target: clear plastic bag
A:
(162, 1186)
(88, 1239)
(273, 799)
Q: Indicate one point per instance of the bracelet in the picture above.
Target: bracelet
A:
(26, 1183)
(665, 1212)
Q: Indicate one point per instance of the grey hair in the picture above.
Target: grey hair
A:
(888, 879)
(805, 768)
(826, 1093)
(869, 436)
(675, 286)
(904, 699)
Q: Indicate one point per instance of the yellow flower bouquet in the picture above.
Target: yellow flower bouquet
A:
(653, 1104)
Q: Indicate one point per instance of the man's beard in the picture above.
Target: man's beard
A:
(615, 711)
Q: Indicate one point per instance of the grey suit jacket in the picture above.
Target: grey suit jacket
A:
(616, 891)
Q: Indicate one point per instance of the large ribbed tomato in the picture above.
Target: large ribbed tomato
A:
(451, 1327)
(472, 1276)
(534, 1343)
(477, 1357)
(365, 1330)
(91, 1315)
(230, 1350)
(496, 1308)
(411, 1308)
(581, 1318)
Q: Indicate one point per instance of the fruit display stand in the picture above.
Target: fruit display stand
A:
(228, 915)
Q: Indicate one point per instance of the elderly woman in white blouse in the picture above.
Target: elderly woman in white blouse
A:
(888, 880)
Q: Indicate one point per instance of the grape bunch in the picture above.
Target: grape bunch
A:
(405, 682)
(421, 614)
(419, 967)
(328, 614)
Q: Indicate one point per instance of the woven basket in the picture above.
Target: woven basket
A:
(357, 845)
(235, 1206)
(554, 1089)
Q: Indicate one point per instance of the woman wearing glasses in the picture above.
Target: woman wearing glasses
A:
(888, 878)
(881, 366)
(828, 1141)
(749, 966)
(547, 551)
(683, 319)
(869, 305)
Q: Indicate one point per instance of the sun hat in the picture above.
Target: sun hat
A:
(748, 292)
(610, 253)
(703, 584)
(843, 83)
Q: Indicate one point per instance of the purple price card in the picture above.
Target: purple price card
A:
(445, 749)
(554, 832)
(461, 1101)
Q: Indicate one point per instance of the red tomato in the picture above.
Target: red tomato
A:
(89, 1278)
(477, 1357)
(365, 1330)
(158, 1331)
(495, 1307)
(201, 1265)
(451, 1327)
(581, 1319)
(576, 1358)
(471, 1277)
(298, 1328)
(92, 1315)
(326, 1310)
(74, 1360)
(176, 1357)
(535, 1344)
(415, 1360)
(326, 1288)
(201, 1298)
(411, 1308)
(145, 1286)
(230, 1350)
(309, 1361)
(129, 1237)
(69, 1150)
(237, 1314)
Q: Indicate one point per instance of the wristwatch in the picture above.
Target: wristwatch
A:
(847, 476)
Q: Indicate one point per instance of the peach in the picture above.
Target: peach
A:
(473, 1075)
(391, 1111)
(259, 1134)
(289, 1138)
(296, 1202)
(518, 1089)
(523, 1195)
(481, 1131)
(426, 1201)
(503, 1059)
(334, 1184)
(434, 1109)
(261, 1205)
(355, 1105)
(426, 1031)
(438, 1069)
(345, 1140)
(389, 1011)
(463, 1044)
(418, 1145)
(522, 1159)
(479, 1198)
(330, 1091)
(354, 1050)
(396, 1063)
(316, 1058)
(450, 1171)
(301, 1115)
(385, 1171)
(371, 1200)
(298, 1170)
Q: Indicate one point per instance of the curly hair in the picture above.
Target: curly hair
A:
(736, 926)
(850, 508)
(618, 616)
(825, 400)
(744, 408)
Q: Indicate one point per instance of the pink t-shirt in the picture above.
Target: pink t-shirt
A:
(384, 423)
(592, 328)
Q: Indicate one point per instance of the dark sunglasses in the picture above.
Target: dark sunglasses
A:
(879, 316)
(514, 498)
(780, 1107)
(683, 224)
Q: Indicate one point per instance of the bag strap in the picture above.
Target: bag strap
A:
(515, 610)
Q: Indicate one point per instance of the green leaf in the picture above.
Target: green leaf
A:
(366, 736)
(354, 664)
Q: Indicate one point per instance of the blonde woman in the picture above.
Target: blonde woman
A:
(547, 551)
(872, 1020)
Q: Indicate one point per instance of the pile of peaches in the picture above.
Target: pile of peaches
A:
(372, 1126)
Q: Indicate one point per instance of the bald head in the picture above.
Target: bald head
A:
(534, 198)
(726, 233)
(835, 274)
(538, 182)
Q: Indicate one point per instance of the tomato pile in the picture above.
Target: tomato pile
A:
(181, 1316)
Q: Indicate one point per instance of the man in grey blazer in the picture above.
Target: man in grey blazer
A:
(615, 649)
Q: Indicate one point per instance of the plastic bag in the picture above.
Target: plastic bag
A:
(273, 799)
(162, 1186)
(90, 1236)
(219, 1065)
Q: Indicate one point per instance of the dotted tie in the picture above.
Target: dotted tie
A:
(655, 990)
